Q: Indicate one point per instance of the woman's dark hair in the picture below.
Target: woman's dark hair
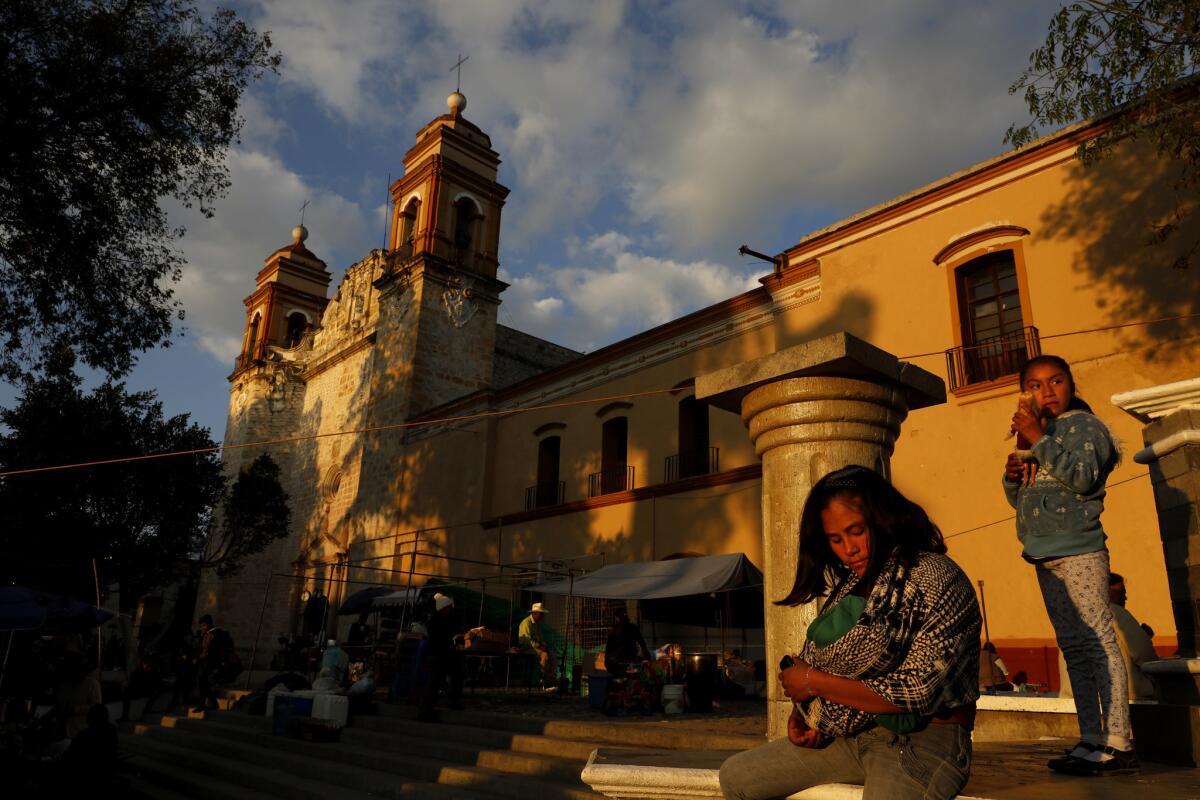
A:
(896, 523)
(1077, 402)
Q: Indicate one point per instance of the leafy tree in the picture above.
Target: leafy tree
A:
(108, 107)
(254, 514)
(142, 521)
(1136, 57)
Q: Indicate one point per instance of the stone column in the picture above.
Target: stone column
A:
(812, 409)
(1170, 731)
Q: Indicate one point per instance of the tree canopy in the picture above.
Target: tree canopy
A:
(144, 522)
(108, 108)
(1136, 61)
(253, 514)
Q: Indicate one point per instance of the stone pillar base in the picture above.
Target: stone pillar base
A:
(1167, 733)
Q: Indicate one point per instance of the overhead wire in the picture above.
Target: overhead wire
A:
(1011, 517)
(349, 432)
(503, 412)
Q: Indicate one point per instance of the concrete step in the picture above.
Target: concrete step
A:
(185, 771)
(636, 733)
(575, 749)
(362, 769)
(188, 774)
(549, 765)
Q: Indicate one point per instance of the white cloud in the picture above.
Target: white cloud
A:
(333, 49)
(226, 252)
(713, 123)
(615, 292)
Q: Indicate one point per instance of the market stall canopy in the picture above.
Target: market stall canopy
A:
(653, 580)
(404, 597)
(361, 601)
(710, 591)
(25, 609)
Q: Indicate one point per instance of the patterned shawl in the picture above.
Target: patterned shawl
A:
(916, 644)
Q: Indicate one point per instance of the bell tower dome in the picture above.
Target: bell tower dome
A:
(288, 298)
(448, 203)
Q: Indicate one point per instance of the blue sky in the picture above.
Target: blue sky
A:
(642, 141)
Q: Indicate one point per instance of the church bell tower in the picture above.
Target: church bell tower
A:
(288, 298)
(439, 295)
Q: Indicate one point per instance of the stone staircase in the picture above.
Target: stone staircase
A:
(465, 754)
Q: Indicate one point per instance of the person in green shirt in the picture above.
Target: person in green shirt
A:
(531, 637)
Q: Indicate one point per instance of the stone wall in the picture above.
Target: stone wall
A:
(520, 356)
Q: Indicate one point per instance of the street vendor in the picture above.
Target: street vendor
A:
(532, 638)
(625, 645)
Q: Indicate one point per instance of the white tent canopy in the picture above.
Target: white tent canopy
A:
(650, 580)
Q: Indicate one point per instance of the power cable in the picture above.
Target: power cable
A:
(488, 414)
(1011, 517)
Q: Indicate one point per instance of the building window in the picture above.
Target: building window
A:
(408, 227)
(615, 474)
(548, 491)
(695, 456)
(995, 338)
(297, 324)
(465, 215)
(252, 337)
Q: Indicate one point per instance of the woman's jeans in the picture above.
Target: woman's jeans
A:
(931, 764)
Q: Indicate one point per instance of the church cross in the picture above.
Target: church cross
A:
(302, 211)
(458, 66)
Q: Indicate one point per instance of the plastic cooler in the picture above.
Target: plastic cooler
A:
(286, 707)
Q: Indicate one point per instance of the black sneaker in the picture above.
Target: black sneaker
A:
(1123, 762)
(1064, 763)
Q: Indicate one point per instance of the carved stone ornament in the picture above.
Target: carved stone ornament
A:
(278, 376)
(398, 302)
(293, 355)
(459, 301)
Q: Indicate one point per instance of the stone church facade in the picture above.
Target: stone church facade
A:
(417, 436)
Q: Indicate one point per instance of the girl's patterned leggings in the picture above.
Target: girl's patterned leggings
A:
(1075, 589)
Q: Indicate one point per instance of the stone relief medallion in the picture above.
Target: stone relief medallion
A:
(460, 302)
(398, 302)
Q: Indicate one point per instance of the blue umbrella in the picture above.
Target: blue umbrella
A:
(25, 609)
(28, 609)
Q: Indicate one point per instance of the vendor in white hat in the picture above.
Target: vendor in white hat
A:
(444, 660)
(532, 638)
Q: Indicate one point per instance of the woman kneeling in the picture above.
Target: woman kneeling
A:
(884, 690)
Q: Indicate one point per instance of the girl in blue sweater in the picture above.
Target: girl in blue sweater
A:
(1058, 522)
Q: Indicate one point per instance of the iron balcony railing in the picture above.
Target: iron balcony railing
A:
(688, 465)
(544, 495)
(610, 480)
(991, 359)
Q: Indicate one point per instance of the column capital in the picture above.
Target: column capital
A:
(839, 355)
(1153, 402)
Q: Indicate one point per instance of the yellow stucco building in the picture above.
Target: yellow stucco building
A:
(416, 402)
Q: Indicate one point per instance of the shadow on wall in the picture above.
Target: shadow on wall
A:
(854, 312)
(1111, 209)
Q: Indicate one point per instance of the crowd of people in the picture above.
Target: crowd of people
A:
(58, 711)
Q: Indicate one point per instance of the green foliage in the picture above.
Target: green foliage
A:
(108, 107)
(142, 521)
(1136, 61)
(254, 514)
